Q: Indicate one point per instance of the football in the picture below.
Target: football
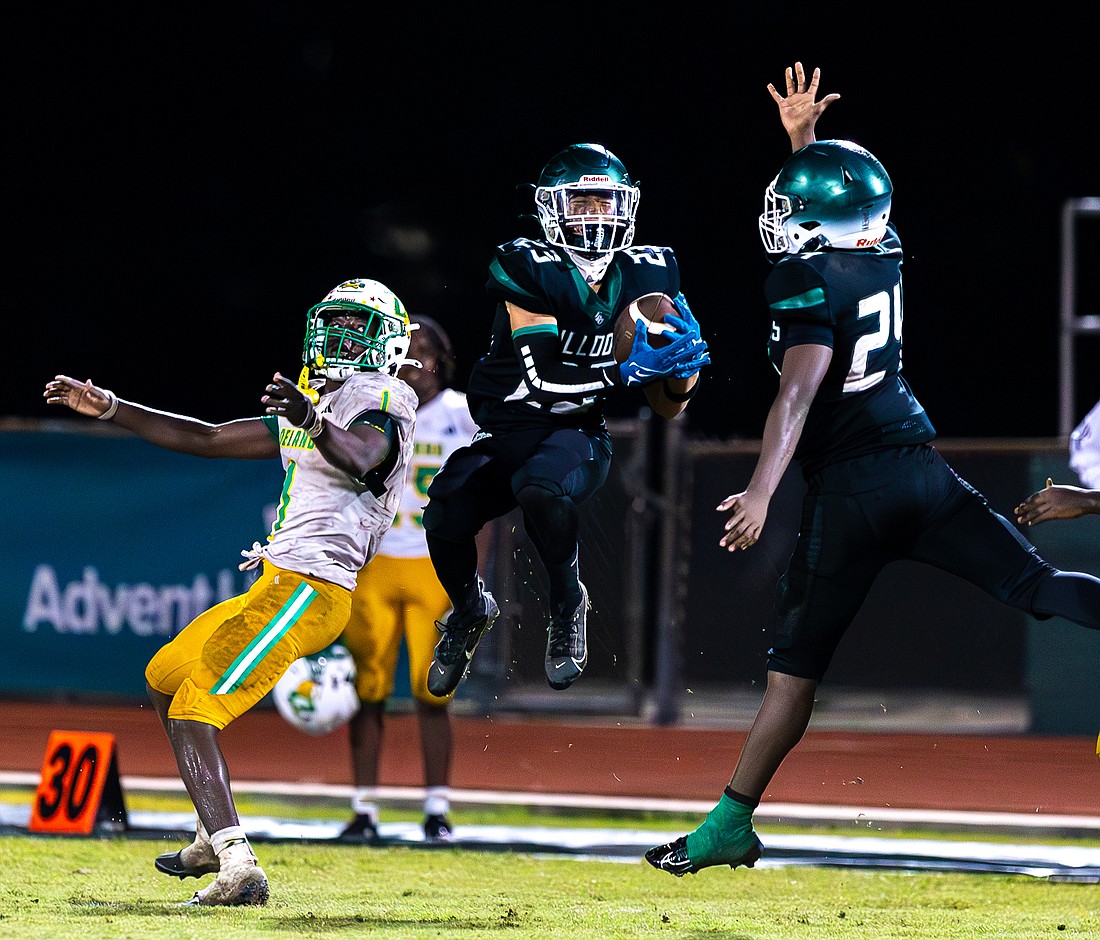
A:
(649, 311)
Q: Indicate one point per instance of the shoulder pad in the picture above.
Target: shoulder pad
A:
(648, 254)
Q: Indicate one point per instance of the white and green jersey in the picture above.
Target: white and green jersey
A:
(328, 525)
(442, 426)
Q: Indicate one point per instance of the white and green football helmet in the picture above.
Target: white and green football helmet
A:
(588, 169)
(317, 693)
(337, 348)
(831, 193)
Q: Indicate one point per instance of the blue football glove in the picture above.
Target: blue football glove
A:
(687, 366)
(682, 357)
(687, 325)
(685, 311)
(644, 364)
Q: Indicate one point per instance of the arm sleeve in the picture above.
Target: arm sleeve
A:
(272, 424)
(548, 378)
(375, 479)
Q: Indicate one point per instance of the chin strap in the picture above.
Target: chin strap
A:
(405, 361)
(306, 389)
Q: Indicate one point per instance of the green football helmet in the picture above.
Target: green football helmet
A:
(586, 201)
(360, 326)
(830, 193)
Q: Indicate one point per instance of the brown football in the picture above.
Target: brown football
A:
(650, 310)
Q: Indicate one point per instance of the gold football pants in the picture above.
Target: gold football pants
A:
(395, 597)
(231, 656)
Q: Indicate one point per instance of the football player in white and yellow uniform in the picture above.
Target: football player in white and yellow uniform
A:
(345, 439)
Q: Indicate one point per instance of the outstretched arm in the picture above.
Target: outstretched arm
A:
(799, 111)
(1058, 501)
(245, 439)
(804, 367)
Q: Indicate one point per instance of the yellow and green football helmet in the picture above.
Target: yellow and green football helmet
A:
(361, 325)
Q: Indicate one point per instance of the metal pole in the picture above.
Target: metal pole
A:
(1065, 337)
(1071, 321)
(669, 667)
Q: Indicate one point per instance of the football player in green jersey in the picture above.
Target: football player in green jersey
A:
(537, 397)
(877, 490)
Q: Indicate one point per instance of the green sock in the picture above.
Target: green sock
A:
(725, 835)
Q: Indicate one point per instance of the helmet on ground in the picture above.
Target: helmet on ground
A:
(360, 326)
(586, 201)
(317, 693)
(829, 193)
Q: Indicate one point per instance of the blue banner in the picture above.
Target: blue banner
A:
(111, 547)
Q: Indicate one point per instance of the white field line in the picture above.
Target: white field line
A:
(775, 812)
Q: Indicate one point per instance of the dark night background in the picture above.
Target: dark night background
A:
(187, 180)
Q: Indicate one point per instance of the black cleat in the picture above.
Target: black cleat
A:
(461, 635)
(361, 829)
(437, 828)
(673, 857)
(567, 645)
(171, 863)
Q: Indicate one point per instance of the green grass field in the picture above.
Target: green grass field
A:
(58, 887)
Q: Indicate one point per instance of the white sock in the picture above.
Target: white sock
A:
(437, 801)
(363, 802)
(200, 851)
(228, 837)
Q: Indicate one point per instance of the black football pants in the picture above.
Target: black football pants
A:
(548, 473)
(907, 503)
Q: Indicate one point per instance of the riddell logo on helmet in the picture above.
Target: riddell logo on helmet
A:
(868, 242)
(595, 178)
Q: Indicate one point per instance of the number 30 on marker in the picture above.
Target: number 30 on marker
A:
(76, 767)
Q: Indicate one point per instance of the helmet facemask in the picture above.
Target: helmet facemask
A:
(360, 326)
(593, 217)
(777, 209)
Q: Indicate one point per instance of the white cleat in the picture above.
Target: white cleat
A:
(239, 885)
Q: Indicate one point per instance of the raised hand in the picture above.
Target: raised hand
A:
(799, 111)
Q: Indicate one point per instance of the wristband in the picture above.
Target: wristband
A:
(315, 429)
(679, 397)
(112, 398)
